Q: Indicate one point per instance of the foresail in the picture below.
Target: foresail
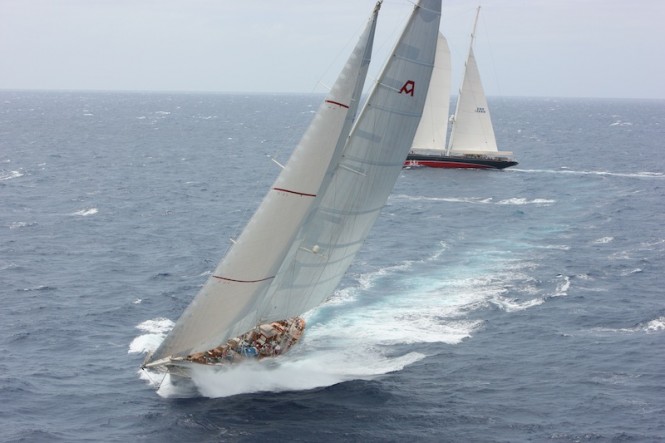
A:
(366, 173)
(433, 127)
(472, 126)
(229, 302)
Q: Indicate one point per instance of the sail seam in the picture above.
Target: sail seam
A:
(395, 111)
(303, 194)
(414, 61)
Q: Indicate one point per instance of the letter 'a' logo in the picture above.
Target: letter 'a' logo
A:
(408, 88)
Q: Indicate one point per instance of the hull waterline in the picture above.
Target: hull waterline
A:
(440, 161)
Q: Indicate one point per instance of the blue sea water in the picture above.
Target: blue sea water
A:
(500, 306)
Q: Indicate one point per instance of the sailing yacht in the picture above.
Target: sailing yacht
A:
(295, 249)
(472, 142)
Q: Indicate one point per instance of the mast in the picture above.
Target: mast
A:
(473, 32)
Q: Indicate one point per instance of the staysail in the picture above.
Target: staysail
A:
(432, 130)
(472, 130)
(306, 231)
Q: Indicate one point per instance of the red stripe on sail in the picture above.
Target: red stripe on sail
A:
(337, 103)
(294, 192)
(242, 281)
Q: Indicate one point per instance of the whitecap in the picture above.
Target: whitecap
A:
(156, 330)
(652, 326)
(656, 325)
(564, 170)
(514, 305)
(158, 325)
(18, 225)
(628, 272)
(562, 287)
(294, 373)
(518, 201)
(86, 212)
(603, 240)
(8, 175)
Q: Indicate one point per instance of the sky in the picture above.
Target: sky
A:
(537, 48)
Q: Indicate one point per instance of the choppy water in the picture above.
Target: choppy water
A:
(521, 305)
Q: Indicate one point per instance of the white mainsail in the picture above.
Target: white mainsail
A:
(432, 130)
(472, 130)
(306, 231)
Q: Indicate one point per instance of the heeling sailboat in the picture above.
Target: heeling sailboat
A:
(472, 140)
(305, 233)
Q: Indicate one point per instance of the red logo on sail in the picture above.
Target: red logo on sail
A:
(408, 88)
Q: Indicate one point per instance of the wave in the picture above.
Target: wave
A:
(376, 324)
(621, 123)
(562, 286)
(8, 175)
(18, 225)
(641, 174)
(656, 325)
(514, 305)
(515, 201)
(649, 327)
(155, 331)
(40, 288)
(86, 212)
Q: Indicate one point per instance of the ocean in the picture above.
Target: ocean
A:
(486, 306)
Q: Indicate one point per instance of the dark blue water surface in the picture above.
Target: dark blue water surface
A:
(521, 305)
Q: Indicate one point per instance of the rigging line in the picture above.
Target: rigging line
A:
(344, 49)
(488, 41)
(152, 380)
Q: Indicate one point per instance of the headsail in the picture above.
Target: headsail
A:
(227, 304)
(433, 127)
(472, 125)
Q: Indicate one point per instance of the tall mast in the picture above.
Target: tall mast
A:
(475, 23)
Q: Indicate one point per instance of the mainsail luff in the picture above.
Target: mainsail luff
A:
(433, 127)
(227, 304)
(366, 173)
(472, 129)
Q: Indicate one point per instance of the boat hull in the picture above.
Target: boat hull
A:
(443, 161)
(264, 341)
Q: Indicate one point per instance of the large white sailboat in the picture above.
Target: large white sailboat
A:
(304, 235)
(472, 142)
